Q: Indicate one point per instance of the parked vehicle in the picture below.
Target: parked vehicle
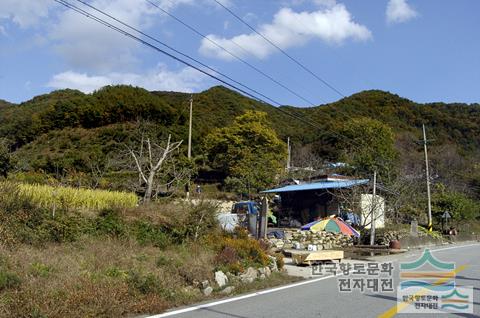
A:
(246, 207)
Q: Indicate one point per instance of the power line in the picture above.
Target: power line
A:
(250, 65)
(144, 42)
(174, 50)
(280, 49)
(242, 48)
(127, 34)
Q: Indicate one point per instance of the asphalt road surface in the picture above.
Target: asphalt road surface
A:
(320, 297)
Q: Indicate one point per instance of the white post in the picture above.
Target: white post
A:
(374, 208)
(427, 174)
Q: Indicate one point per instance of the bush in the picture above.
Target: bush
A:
(432, 234)
(238, 253)
(62, 228)
(180, 222)
(110, 223)
(8, 280)
(280, 261)
(147, 233)
(23, 222)
(228, 260)
(143, 283)
(40, 270)
(115, 272)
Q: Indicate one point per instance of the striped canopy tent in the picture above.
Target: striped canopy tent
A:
(333, 225)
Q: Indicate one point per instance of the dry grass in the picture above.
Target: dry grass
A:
(101, 278)
(115, 263)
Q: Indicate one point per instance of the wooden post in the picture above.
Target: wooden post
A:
(262, 232)
(189, 153)
(252, 223)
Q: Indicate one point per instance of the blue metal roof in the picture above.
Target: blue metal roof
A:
(318, 186)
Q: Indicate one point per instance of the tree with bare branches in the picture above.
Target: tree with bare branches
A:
(150, 159)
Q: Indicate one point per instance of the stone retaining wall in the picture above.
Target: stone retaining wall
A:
(297, 239)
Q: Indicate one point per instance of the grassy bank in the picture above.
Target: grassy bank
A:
(114, 263)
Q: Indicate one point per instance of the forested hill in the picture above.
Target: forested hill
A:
(64, 127)
(4, 103)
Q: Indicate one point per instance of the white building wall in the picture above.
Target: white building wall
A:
(366, 204)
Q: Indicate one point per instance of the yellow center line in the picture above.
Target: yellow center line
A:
(400, 306)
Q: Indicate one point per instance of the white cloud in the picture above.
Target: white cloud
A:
(3, 31)
(333, 25)
(185, 80)
(88, 45)
(83, 43)
(399, 11)
(25, 13)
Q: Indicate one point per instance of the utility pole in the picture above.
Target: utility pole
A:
(190, 130)
(427, 174)
(374, 208)
(189, 155)
(289, 150)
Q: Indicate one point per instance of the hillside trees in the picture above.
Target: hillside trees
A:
(5, 157)
(368, 145)
(249, 151)
(461, 207)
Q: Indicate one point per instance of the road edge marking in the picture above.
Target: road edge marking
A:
(229, 300)
(268, 291)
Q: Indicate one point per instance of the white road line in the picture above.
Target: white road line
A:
(268, 291)
(229, 300)
(452, 247)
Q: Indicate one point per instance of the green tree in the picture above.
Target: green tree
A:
(249, 151)
(5, 157)
(368, 145)
(459, 206)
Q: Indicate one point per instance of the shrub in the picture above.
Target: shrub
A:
(147, 233)
(280, 260)
(144, 284)
(180, 222)
(116, 272)
(432, 234)
(61, 228)
(11, 201)
(23, 222)
(110, 223)
(162, 261)
(40, 270)
(8, 280)
(239, 253)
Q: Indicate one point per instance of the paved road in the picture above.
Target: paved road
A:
(322, 299)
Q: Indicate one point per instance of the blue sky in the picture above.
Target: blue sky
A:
(423, 50)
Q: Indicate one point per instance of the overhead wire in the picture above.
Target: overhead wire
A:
(229, 52)
(127, 34)
(174, 50)
(144, 42)
(290, 57)
(301, 65)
